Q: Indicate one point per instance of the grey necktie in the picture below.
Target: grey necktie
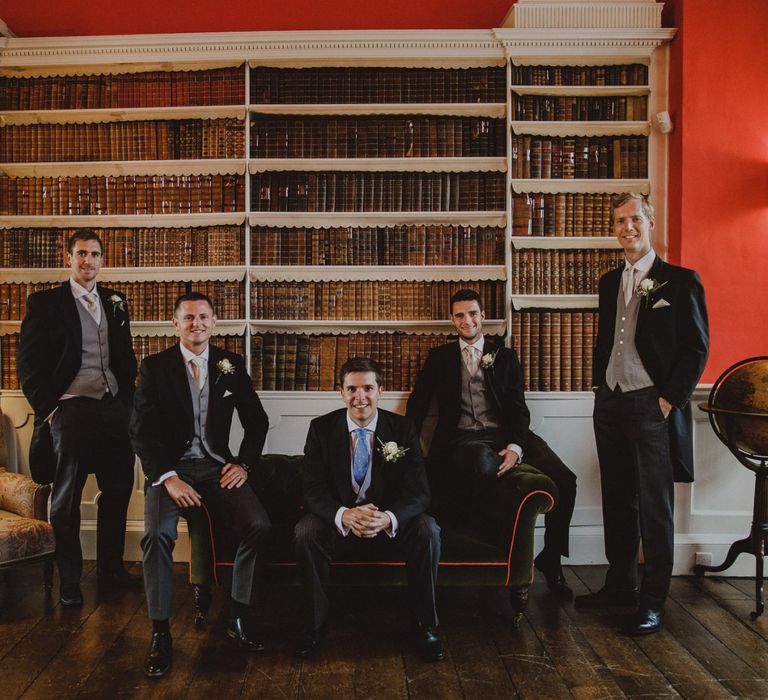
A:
(628, 284)
(470, 360)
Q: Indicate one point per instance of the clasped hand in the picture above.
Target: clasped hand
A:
(184, 495)
(366, 520)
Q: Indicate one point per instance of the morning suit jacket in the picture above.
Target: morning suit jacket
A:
(441, 378)
(672, 341)
(400, 486)
(51, 343)
(50, 355)
(162, 424)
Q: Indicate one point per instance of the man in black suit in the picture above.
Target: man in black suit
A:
(652, 345)
(365, 492)
(77, 369)
(482, 433)
(180, 429)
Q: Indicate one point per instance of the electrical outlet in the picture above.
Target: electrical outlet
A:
(704, 558)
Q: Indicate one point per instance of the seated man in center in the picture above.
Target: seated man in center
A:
(365, 492)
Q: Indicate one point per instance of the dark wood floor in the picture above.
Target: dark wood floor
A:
(708, 649)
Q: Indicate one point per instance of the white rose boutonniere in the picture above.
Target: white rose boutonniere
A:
(487, 360)
(647, 288)
(391, 451)
(118, 304)
(225, 367)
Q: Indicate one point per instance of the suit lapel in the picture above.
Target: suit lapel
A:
(177, 371)
(339, 442)
(69, 314)
(658, 273)
(455, 363)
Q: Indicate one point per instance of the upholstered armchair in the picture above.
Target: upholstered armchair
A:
(25, 534)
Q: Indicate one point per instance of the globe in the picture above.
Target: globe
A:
(738, 407)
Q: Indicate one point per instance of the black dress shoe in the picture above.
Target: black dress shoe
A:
(118, 578)
(428, 644)
(606, 597)
(201, 595)
(237, 631)
(71, 597)
(553, 575)
(309, 642)
(159, 656)
(645, 621)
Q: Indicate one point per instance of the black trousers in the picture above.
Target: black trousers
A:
(638, 490)
(318, 543)
(238, 509)
(91, 436)
(465, 486)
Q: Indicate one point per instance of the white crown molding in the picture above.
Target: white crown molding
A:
(573, 13)
(470, 47)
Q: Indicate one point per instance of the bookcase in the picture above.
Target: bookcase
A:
(332, 193)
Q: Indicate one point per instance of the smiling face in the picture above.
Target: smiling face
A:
(194, 321)
(361, 394)
(467, 319)
(632, 228)
(85, 262)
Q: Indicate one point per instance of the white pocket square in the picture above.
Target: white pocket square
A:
(227, 393)
(660, 304)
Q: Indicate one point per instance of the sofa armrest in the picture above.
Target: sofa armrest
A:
(22, 496)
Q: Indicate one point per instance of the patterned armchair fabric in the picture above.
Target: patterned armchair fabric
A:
(25, 533)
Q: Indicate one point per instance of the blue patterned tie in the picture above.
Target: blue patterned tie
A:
(362, 456)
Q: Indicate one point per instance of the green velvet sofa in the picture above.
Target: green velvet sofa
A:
(277, 480)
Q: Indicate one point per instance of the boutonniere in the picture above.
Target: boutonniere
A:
(118, 304)
(487, 360)
(391, 451)
(647, 288)
(225, 367)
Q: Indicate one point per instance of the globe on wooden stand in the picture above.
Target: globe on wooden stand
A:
(738, 413)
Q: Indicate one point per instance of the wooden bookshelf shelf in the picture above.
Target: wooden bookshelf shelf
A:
(377, 218)
(519, 242)
(165, 328)
(19, 275)
(218, 166)
(584, 185)
(429, 165)
(581, 128)
(582, 90)
(125, 220)
(450, 109)
(383, 273)
(92, 116)
(492, 327)
(554, 301)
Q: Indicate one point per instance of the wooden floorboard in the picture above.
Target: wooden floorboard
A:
(709, 647)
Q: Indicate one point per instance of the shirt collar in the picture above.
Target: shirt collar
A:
(644, 264)
(478, 345)
(189, 355)
(351, 425)
(78, 291)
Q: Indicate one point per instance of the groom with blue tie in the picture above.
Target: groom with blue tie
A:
(366, 493)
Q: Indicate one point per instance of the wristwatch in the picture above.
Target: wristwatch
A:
(244, 466)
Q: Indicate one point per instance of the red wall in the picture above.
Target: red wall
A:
(721, 201)
(86, 17)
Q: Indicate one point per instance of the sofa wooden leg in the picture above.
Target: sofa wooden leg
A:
(202, 602)
(518, 598)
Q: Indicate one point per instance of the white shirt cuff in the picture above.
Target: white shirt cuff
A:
(392, 529)
(337, 521)
(165, 476)
(516, 448)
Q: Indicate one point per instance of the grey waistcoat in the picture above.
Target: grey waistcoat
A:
(94, 376)
(476, 409)
(200, 447)
(625, 367)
